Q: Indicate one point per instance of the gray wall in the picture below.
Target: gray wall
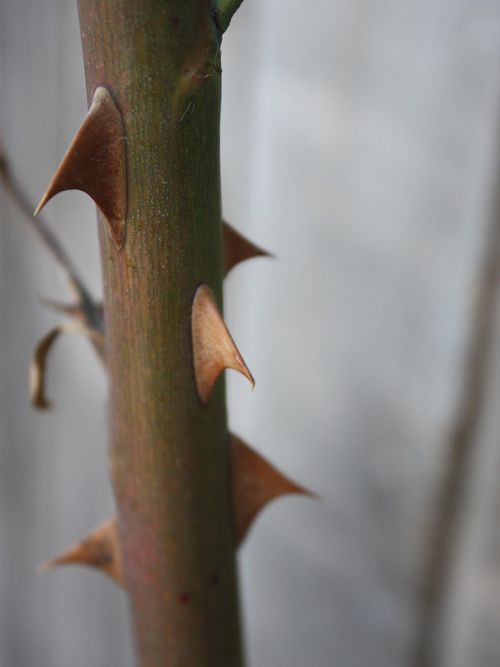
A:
(360, 144)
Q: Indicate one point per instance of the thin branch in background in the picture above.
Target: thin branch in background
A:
(462, 439)
(86, 309)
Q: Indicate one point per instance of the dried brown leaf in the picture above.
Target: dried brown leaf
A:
(40, 354)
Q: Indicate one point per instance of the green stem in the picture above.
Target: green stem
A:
(169, 455)
(226, 9)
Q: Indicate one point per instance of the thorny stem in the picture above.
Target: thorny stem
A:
(87, 308)
(186, 490)
(170, 455)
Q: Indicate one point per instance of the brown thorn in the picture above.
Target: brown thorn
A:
(41, 352)
(237, 248)
(99, 549)
(255, 483)
(95, 164)
(213, 348)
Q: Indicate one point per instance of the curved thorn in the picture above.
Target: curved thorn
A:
(95, 164)
(213, 348)
(99, 549)
(41, 352)
(237, 248)
(255, 483)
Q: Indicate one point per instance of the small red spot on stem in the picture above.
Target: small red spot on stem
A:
(213, 579)
(174, 20)
(184, 598)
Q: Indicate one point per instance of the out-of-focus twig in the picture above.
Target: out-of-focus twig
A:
(88, 310)
(444, 538)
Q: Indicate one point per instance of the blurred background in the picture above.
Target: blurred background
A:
(361, 145)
